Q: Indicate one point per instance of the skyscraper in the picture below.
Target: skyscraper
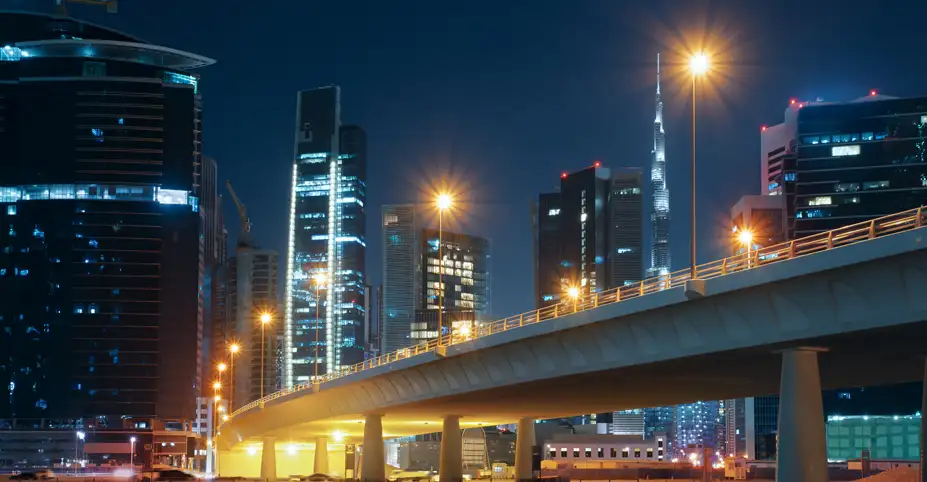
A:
(327, 239)
(589, 234)
(411, 281)
(103, 258)
(660, 216)
(401, 275)
(252, 293)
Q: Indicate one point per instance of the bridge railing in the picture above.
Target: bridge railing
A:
(751, 259)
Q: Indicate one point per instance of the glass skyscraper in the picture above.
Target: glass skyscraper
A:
(590, 233)
(102, 246)
(326, 241)
(660, 215)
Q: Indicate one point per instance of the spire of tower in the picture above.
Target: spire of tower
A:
(658, 72)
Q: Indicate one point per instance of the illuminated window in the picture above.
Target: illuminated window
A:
(588, 453)
(11, 210)
(851, 150)
(811, 140)
(624, 250)
(867, 136)
(820, 201)
(846, 187)
(553, 212)
(875, 185)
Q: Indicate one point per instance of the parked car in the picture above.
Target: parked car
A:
(319, 478)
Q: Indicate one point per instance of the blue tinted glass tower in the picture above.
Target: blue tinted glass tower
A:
(324, 322)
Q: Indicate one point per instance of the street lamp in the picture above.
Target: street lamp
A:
(573, 294)
(132, 453)
(265, 320)
(745, 237)
(443, 202)
(80, 438)
(234, 348)
(319, 280)
(699, 65)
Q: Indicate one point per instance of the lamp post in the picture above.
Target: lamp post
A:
(319, 281)
(698, 65)
(573, 294)
(132, 453)
(80, 438)
(265, 319)
(234, 348)
(443, 202)
(746, 238)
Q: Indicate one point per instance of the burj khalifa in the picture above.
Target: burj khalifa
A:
(660, 215)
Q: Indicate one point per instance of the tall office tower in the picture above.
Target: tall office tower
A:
(411, 284)
(696, 424)
(589, 233)
(253, 293)
(457, 282)
(103, 263)
(626, 238)
(859, 160)
(402, 280)
(327, 239)
(660, 215)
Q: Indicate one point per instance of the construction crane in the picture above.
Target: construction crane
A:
(242, 210)
(112, 6)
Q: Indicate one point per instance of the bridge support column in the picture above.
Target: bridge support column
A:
(802, 450)
(269, 460)
(321, 456)
(451, 465)
(374, 462)
(524, 449)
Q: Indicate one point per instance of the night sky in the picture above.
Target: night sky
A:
(498, 97)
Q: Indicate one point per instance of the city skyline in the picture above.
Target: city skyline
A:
(450, 122)
(322, 320)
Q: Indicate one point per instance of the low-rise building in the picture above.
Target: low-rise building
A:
(577, 448)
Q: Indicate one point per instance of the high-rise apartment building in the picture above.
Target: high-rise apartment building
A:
(412, 285)
(589, 234)
(697, 424)
(100, 191)
(326, 240)
(253, 293)
(660, 262)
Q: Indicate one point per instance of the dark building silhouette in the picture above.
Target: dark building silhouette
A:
(101, 247)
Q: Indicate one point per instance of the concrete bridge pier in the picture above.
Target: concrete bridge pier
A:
(320, 464)
(451, 465)
(524, 449)
(269, 460)
(374, 461)
(802, 451)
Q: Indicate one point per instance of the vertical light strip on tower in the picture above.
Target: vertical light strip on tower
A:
(660, 217)
(288, 309)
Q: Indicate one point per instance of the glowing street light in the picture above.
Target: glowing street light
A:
(216, 385)
(745, 237)
(234, 348)
(132, 441)
(222, 367)
(338, 436)
(265, 320)
(573, 294)
(444, 201)
(699, 65)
